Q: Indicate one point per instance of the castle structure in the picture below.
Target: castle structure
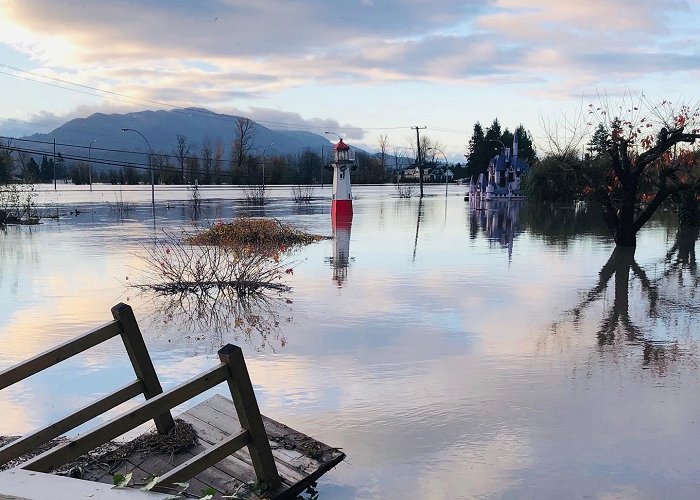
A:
(503, 177)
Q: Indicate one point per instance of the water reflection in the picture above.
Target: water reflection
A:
(341, 248)
(561, 224)
(418, 217)
(498, 220)
(664, 330)
(413, 346)
(221, 315)
(681, 256)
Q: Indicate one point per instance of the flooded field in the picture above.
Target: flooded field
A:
(451, 352)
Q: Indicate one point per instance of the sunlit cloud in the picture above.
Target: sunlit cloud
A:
(222, 50)
(251, 57)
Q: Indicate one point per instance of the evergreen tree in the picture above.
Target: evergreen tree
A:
(61, 171)
(600, 142)
(46, 169)
(478, 151)
(507, 138)
(493, 140)
(6, 162)
(484, 146)
(31, 171)
(526, 149)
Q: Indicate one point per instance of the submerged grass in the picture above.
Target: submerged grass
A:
(255, 232)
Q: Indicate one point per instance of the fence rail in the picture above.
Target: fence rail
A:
(157, 406)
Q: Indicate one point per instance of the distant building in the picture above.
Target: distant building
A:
(436, 174)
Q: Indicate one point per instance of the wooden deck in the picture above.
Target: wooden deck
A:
(300, 459)
(239, 453)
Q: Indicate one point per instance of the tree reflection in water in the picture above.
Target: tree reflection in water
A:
(221, 315)
(680, 259)
(667, 330)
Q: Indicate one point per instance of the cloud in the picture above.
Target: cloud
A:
(225, 51)
(275, 119)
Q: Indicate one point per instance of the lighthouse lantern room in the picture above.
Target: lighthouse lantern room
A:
(342, 194)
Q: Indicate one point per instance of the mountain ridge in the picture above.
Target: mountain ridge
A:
(100, 135)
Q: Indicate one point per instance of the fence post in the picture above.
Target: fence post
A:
(141, 361)
(249, 415)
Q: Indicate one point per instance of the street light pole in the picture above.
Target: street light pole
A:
(500, 142)
(150, 167)
(335, 134)
(90, 163)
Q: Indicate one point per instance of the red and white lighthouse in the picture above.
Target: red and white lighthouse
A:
(342, 194)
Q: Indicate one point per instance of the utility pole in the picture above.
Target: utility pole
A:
(418, 157)
(322, 160)
(54, 164)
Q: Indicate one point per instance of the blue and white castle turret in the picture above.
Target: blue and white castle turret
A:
(503, 176)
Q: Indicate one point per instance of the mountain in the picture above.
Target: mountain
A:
(161, 128)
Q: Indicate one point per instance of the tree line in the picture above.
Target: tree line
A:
(485, 144)
(189, 163)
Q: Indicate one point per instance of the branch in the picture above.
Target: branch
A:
(615, 152)
(648, 157)
(661, 195)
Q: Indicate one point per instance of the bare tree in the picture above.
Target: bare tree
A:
(182, 151)
(193, 170)
(160, 162)
(242, 144)
(649, 155)
(383, 143)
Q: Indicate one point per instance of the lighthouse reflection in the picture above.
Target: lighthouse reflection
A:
(341, 248)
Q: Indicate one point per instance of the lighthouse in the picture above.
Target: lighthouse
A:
(342, 194)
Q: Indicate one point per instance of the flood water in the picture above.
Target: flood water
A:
(450, 352)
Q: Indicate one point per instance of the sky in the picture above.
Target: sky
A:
(360, 68)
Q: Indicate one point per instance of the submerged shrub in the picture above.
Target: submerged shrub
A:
(253, 231)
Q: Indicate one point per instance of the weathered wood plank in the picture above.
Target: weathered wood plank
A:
(59, 353)
(36, 439)
(327, 457)
(206, 458)
(20, 484)
(239, 464)
(158, 465)
(233, 473)
(232, 465)
(141, 361)
(249, 415)
(214, 425)
(116, 427)
(299, 451)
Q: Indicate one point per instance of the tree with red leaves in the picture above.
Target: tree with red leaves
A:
(650, 154)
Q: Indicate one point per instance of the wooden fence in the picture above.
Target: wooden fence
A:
(157, 406)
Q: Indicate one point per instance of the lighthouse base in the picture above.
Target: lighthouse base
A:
(341, 209)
